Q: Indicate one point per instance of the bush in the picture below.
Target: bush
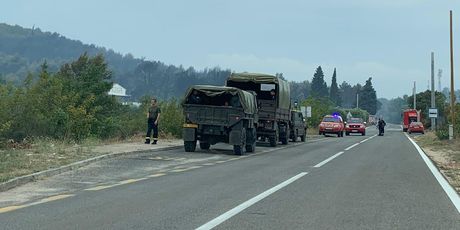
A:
(443, 133)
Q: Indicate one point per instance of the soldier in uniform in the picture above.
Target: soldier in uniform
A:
(153, 117)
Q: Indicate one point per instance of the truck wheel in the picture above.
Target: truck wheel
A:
(285, 139)
(347, 133)
(251, 141)
(302, 138)
(273, 142)
(364, 133)
(294, 138)
(204, 145)
(238, 150)
(189, 146)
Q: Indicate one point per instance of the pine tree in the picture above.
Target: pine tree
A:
(318, 85)
(334, 93)
(368, 97)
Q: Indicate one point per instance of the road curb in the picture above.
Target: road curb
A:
(15, 182)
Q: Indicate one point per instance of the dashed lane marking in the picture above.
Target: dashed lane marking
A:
(156, 175)
(129, 181)
(234, 211)
(328, 159)
(100, 187)
(44, 200)
(11, 208)
(185, 169)
(352, 146)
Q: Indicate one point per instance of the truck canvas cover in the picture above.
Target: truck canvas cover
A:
(283, 93)
(247, 99)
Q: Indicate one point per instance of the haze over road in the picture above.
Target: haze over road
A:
(356, 182)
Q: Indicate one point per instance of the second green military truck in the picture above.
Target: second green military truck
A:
(298, 126)
(216, 114)
(274, 103)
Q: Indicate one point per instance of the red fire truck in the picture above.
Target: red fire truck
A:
(409, 115)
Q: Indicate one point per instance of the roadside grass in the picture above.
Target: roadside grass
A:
(312, 131)
(445, 154)
(40, 154)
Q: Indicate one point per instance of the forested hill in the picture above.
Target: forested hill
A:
(24, 50)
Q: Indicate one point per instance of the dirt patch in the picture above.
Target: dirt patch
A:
(445, 154)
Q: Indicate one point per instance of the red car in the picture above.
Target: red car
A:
(332, 124)
(416, 127)
(355, 125)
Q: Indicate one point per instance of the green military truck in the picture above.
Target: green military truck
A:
(274, 103)
(297, 126)
(216, 114)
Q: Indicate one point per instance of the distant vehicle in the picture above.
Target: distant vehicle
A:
(297, 126)
(274, 104)
(332, 124)
(416, 127)
(372, 120)
(355, 125)
(409, 116)
(216, 114)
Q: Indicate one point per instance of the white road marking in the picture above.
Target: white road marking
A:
(229, 214)
(328, 159)
(453, 196)
(352, 146)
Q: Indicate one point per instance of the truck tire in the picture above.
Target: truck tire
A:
(251, 139)
(189, 146)
(240, 149)
(204, 145)
(303, 137)
(285, 138)
(294, 137)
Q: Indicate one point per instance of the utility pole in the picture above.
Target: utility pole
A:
(357, 100)
(452, 94)
(439, 80)
(433, 95)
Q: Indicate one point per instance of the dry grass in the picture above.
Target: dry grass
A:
(445, 154)
(42, 154)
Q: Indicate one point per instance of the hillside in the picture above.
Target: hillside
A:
(24, 50)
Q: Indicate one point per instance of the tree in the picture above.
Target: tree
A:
(368, 97)
(318, 85)
(347, 95)
(334, 93)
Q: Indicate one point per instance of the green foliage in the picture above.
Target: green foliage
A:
(443, 133)
(318, 85)
(368, 97)
(73, 105)
(319, 108)
(334, 93)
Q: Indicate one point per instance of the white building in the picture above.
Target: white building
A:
(118, 91)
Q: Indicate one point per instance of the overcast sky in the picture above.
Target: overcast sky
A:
(388, 40)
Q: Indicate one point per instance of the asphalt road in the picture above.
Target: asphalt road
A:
(355, 182)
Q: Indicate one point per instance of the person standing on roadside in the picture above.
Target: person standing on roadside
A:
(153, 117)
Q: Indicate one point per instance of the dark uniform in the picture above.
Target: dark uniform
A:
(154, 111)
(381, 126)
